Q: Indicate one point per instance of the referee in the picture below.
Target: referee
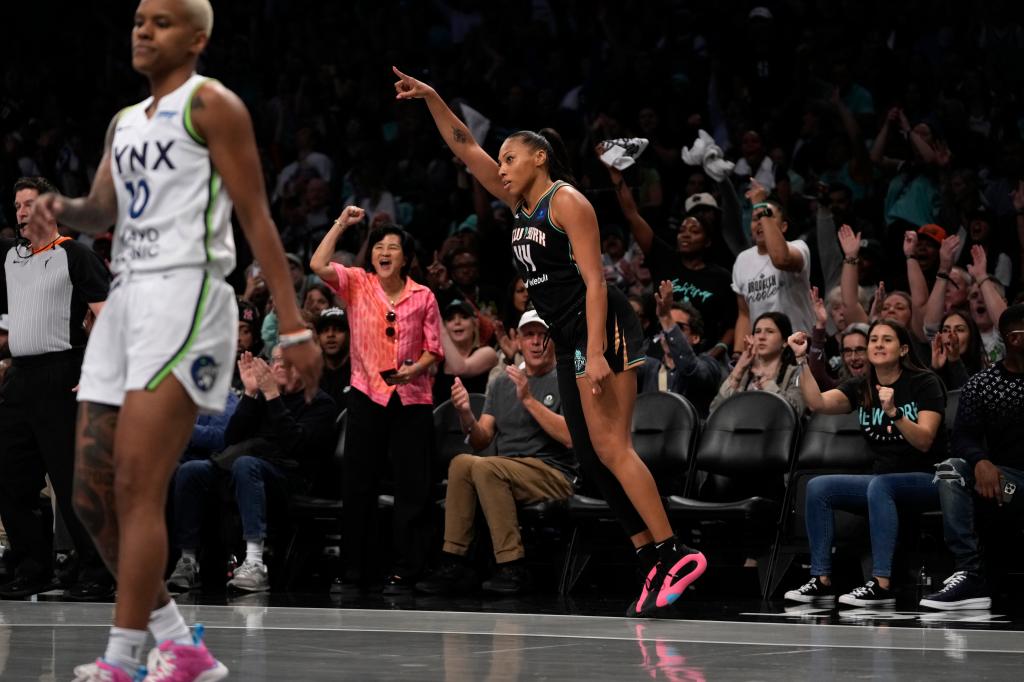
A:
(48, 284)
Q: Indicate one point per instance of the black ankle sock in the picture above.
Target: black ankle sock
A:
(667, 548)
(647, 556)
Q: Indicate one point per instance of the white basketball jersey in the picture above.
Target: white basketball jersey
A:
(172, 210)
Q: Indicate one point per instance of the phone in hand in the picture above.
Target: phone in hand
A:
(1008, 490)
(388, 376)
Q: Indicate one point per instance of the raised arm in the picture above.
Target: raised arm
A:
(732, 218)
(783, 255)
(456, 135)
(91, 214)
(642, 232)
(320, 263)
(991, 290)
(935, 306)
(849, 284)
(481, 360)
(829, 402)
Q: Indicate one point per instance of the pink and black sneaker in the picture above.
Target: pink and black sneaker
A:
(667, 581)
(172, 662)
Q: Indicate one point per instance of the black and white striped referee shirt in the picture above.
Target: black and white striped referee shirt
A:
(46, 295)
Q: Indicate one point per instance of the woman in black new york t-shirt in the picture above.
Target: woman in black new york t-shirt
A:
(900, 407)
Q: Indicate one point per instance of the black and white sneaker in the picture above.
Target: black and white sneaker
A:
(813, 592)
(962, 590)
(868, 594)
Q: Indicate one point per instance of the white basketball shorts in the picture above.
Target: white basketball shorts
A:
(182, 322)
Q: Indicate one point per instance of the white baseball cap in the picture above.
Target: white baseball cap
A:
(531, 316)
(700, 199)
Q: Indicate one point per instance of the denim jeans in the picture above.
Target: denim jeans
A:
(196, 480)
(879, 495)
(955, 478)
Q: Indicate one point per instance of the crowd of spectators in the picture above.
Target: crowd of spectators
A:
(876, 149)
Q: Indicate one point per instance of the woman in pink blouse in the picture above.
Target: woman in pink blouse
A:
(395, 339)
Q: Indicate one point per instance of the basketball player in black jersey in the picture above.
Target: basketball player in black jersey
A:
(597, 336)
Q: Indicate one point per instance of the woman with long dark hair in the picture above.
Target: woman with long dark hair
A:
(597, 335)
(766, 364)
(900, 407)
(957, 350)
(395, 340)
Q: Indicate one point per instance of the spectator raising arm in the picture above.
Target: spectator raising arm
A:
(320, 263)
(991, 290)
(922, 302)
(642, 232)
(830, 402)
(935, 307)
(849, 284)
(783, 255)
(732, 218)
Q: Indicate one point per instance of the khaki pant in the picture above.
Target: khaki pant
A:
(497, 483)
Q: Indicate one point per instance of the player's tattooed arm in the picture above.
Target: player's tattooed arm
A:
(459, 135)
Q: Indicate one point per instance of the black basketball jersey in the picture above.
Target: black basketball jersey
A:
(544, 260)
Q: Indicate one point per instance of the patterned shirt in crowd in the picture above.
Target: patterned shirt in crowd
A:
(990, 418)
(417, 328)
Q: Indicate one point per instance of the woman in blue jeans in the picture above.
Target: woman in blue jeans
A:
(900, 406)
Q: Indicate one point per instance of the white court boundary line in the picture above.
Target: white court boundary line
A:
(679, 640)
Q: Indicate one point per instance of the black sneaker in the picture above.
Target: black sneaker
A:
(65, 569)
(813, 592)
(451, 578)
(348, 583)
(510, 579)
(962, 590)
(91, 590)
(869, 594)
(397, 585)
(26, 586)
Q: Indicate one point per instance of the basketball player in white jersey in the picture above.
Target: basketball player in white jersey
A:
(164, 346)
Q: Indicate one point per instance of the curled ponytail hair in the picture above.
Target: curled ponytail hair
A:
(551, 142)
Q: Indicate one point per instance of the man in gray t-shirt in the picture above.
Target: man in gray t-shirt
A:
(533, 463)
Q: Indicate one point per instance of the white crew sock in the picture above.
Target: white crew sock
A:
(124, 649)
(166, 623)
(254, 551)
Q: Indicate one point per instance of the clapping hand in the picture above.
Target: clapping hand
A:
(518, 378)
(460, 397)
(978, 269)
(664, 298)
(939, 356)
(909, 243)
(820, 312)
(849, 241)
(947, 250)
(247, 372)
